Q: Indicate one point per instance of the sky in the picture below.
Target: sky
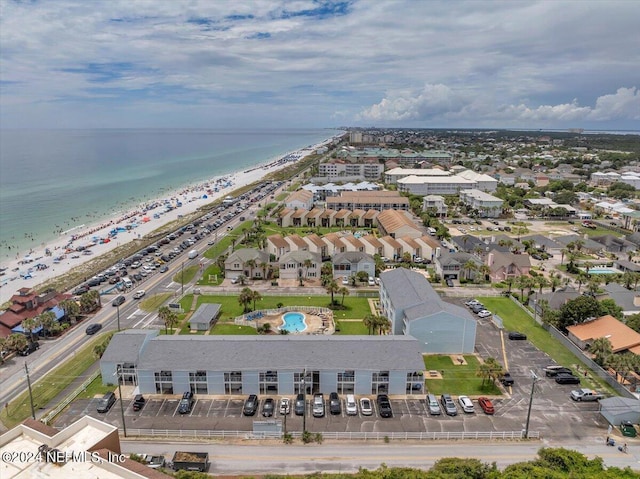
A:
(319, 63)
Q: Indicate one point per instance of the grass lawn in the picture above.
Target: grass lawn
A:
(189, 273)
(515, 319)
(50, 385)
(457, 379)
(351, 327)
(152, 303)
(232, 329)
(212, 270)
(355, 308)
(281, 196)
(95, 388)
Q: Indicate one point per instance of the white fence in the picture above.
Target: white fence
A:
(52, 414)
(375, 435)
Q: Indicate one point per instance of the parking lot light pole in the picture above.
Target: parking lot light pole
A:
(533, 388)
(119, 374)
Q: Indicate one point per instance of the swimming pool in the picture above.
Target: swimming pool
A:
(602, 270)
(293, 322)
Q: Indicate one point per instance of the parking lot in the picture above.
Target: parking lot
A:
(554, 414)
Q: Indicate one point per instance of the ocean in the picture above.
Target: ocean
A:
(55, 180)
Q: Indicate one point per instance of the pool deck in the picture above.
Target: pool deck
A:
(317, 322)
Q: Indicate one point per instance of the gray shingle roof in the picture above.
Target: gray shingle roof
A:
(255, 353)
(411, 292)
(125, 346)
(205, 313)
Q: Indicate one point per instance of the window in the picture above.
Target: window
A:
(380, 382)
(164, 382)
(233, 382)
(415, 381)
(346, 382)
(198, 382)
(128, 374)
(269, 382)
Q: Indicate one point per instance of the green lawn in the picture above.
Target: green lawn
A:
(215, 273)
(355, 308)
(189, 273)
(95, 388)
(457, 379)
(152, 303)
(514, 319)
(351, 328)
(50, 385)
(232, 329)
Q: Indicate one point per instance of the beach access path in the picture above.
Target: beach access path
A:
(192, 198)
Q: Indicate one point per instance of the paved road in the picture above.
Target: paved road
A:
(348, 456)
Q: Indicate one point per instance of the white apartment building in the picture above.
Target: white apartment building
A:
(488, 205)
(365, 171)
(435, 202)
(434, 185)
(393, 175)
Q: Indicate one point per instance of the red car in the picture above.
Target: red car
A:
(486, 405)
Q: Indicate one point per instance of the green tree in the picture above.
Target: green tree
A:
(609, 306)
(577, 311)
(370, 322)
(601, 350)
(48, 321)
(255, 296)
(344, 292)
(29, 325)
(71, 309)
(16, 342)
(332, 288)
(244, 299)
(168, 317)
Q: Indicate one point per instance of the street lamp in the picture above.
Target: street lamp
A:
(533, 386)
(304, 401)
(119, 374)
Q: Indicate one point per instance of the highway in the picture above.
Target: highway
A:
(349, 456)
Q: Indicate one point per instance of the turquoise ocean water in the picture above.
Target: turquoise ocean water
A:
(53, 180)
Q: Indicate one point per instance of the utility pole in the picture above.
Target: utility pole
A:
(119, 373)
(533, 388)
(118, 313)
(33, 411)
(304, 400)
(182, 277)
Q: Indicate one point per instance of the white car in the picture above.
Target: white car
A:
(372, 282)
(484, 313)
(345, 281)
(285, 406)
(139, 294)
(352, 406)
(466, 404)
(365, 407)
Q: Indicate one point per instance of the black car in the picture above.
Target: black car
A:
(138, 402)
(507, 379)
(164, 269)
(93, 328)
(30, 348)
(565, 378)
(553, 372)
(384, 405)
(106, 402)
(516, 336)
(118, 300)
(268, 407)
(298, 407)
(334, 404)
(250, 405)
(80, 290)
(186, 403)
(449, 283)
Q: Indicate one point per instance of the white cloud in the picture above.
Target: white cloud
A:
(395, 61)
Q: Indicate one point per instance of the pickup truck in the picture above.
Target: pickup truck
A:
(585, 395)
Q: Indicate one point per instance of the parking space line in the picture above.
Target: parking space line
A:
(504, 357)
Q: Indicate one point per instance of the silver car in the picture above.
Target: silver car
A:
(433, 406)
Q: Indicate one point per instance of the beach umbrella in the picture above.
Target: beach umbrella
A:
(145, 219)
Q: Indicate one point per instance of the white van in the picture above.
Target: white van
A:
(126, 281)
(193, 253)
(352, 407)
(432, 231)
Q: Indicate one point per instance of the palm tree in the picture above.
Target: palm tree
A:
(307, 264)
(485, 271)
(29, 325)
(255, 296)
(495, 369)
(168, 317)
(563, 252)
(250, 263)
(601, 350)
(16, 342)
(581, 278)
(383, 324)
(242, 278)
(541, 282)
(263, 266)
(483, 371)
(578, 244)
(70, 308)
(369, 322)
(332, 288)
(95, 295)
(555, 282)
(245, 298)
(48, 321)
(344, 292)
(469, 266)
(593, 286)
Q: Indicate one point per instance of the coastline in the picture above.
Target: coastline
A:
(34, 266)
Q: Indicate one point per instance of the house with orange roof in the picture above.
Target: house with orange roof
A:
(621, 336)
(300, 199)
(392, 248)
(397, 223)
(316, 245)
(277, 246)
(25, 304)
(372, 245)
(296, 242)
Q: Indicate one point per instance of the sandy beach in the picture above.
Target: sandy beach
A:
(35, 266)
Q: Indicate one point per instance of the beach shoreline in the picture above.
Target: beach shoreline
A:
(34, 266)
